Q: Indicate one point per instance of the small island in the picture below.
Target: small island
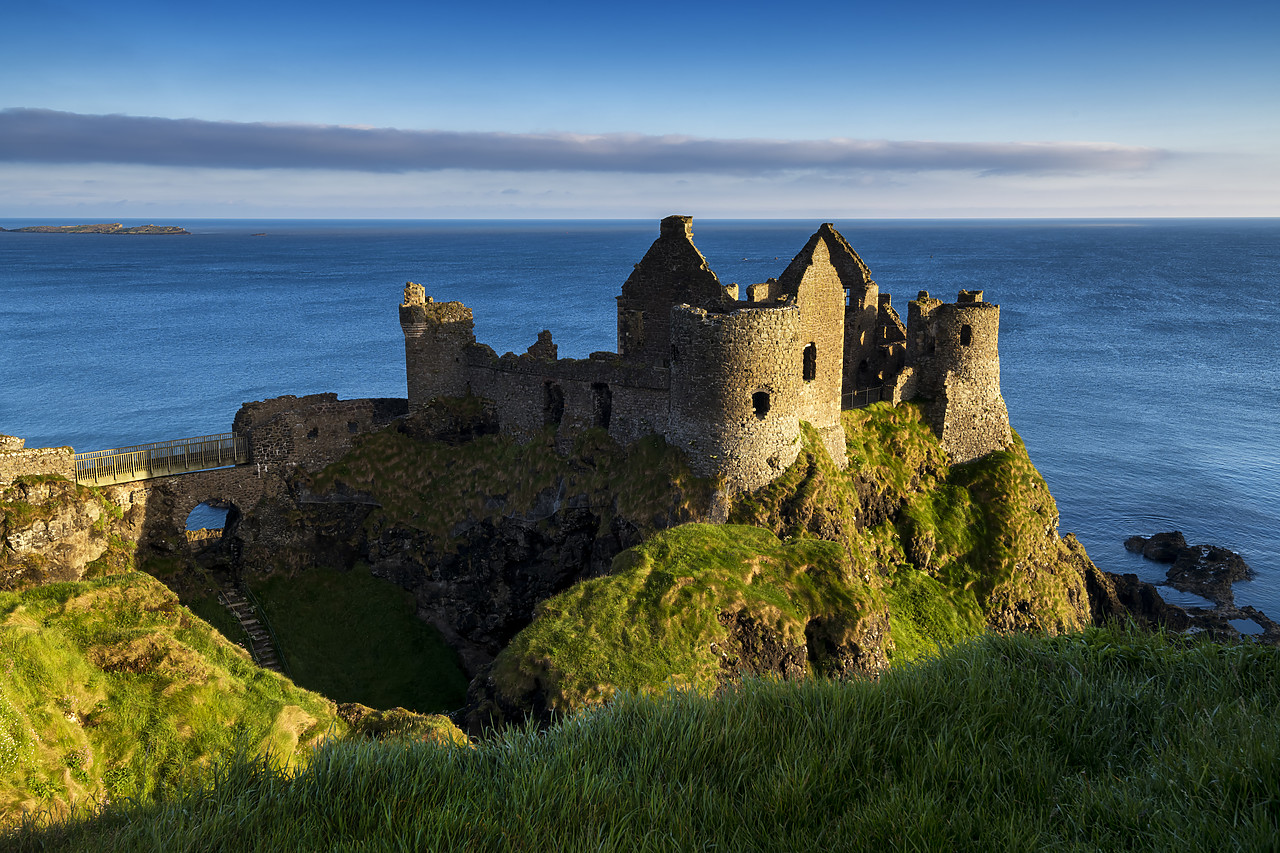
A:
(100, 228)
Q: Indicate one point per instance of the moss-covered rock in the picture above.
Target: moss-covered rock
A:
(52, 529)
(895, 556)
(692, 607)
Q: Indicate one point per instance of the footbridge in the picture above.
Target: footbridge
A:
(161, 459)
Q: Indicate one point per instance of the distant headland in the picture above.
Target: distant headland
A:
(101, 228)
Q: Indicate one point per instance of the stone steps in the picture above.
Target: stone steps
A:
(260, 646)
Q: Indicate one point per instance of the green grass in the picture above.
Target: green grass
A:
(110, 688)
(1103, 740)
(654, 622)
(219, 618)
(357, 638)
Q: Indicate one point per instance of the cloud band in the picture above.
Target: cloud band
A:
(48, 136)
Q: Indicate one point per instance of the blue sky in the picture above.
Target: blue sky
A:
(638, 110)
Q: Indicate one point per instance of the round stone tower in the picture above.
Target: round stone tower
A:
(968, 411)
(735, 392)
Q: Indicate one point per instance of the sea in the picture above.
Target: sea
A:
(1139, 358)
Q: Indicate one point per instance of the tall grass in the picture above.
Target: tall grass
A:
(109, 689)
(1095, 741)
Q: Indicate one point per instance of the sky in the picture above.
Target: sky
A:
(154, 111)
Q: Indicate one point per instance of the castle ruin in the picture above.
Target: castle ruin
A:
(727, 379)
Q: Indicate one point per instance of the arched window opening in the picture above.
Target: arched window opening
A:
(552, 404)
(603, 404)
(760, 402)
(811, 362)
(966, 335)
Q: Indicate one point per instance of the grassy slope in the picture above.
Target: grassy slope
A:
(653, 623)
(1093, 741)
(357, 638)
(965, 546)
(109, 688)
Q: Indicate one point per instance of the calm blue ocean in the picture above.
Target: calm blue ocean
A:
(1139, 357)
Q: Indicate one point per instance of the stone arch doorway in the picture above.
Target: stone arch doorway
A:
(210, 529)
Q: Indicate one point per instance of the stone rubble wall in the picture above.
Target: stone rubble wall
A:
(310, 431)
(957, 371)
(16, 460)
(436, 336)
(532, 394)
(672, 272)
(819, 293)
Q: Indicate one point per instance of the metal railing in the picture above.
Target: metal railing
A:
(161, 459)
(862, 399)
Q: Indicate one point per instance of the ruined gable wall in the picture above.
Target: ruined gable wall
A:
(436, 334)
(820, 296)
(672, 272)
(735, 392)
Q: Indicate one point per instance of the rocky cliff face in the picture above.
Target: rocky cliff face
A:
(489, 534)
(54, 530)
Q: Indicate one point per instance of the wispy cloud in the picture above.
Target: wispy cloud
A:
(47, 136)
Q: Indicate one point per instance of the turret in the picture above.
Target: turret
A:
(953, 349)
(436, 337)
(735, 388)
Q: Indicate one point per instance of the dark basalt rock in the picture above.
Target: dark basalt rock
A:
(755, 649)
(1209, 571)
(1162, 547)
(1120, 597)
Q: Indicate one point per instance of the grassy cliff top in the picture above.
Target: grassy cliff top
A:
(109, 688)
(1101, 740)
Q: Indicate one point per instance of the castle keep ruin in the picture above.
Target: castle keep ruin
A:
(725, 379)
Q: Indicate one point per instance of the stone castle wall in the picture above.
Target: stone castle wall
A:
(954, 355)
(672, 272)
(816, 287)
(18, 460)
(735, 390)
(436, 335)
(310, 431)
(692, 360)
(532, 394)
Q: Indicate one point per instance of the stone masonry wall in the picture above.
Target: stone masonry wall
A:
(531, 394)
(734, 392)
(309, 431)
(436, 336)
(23, 461)
(819, 293)
(672, 272)
(954, 355)
(974, 419)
